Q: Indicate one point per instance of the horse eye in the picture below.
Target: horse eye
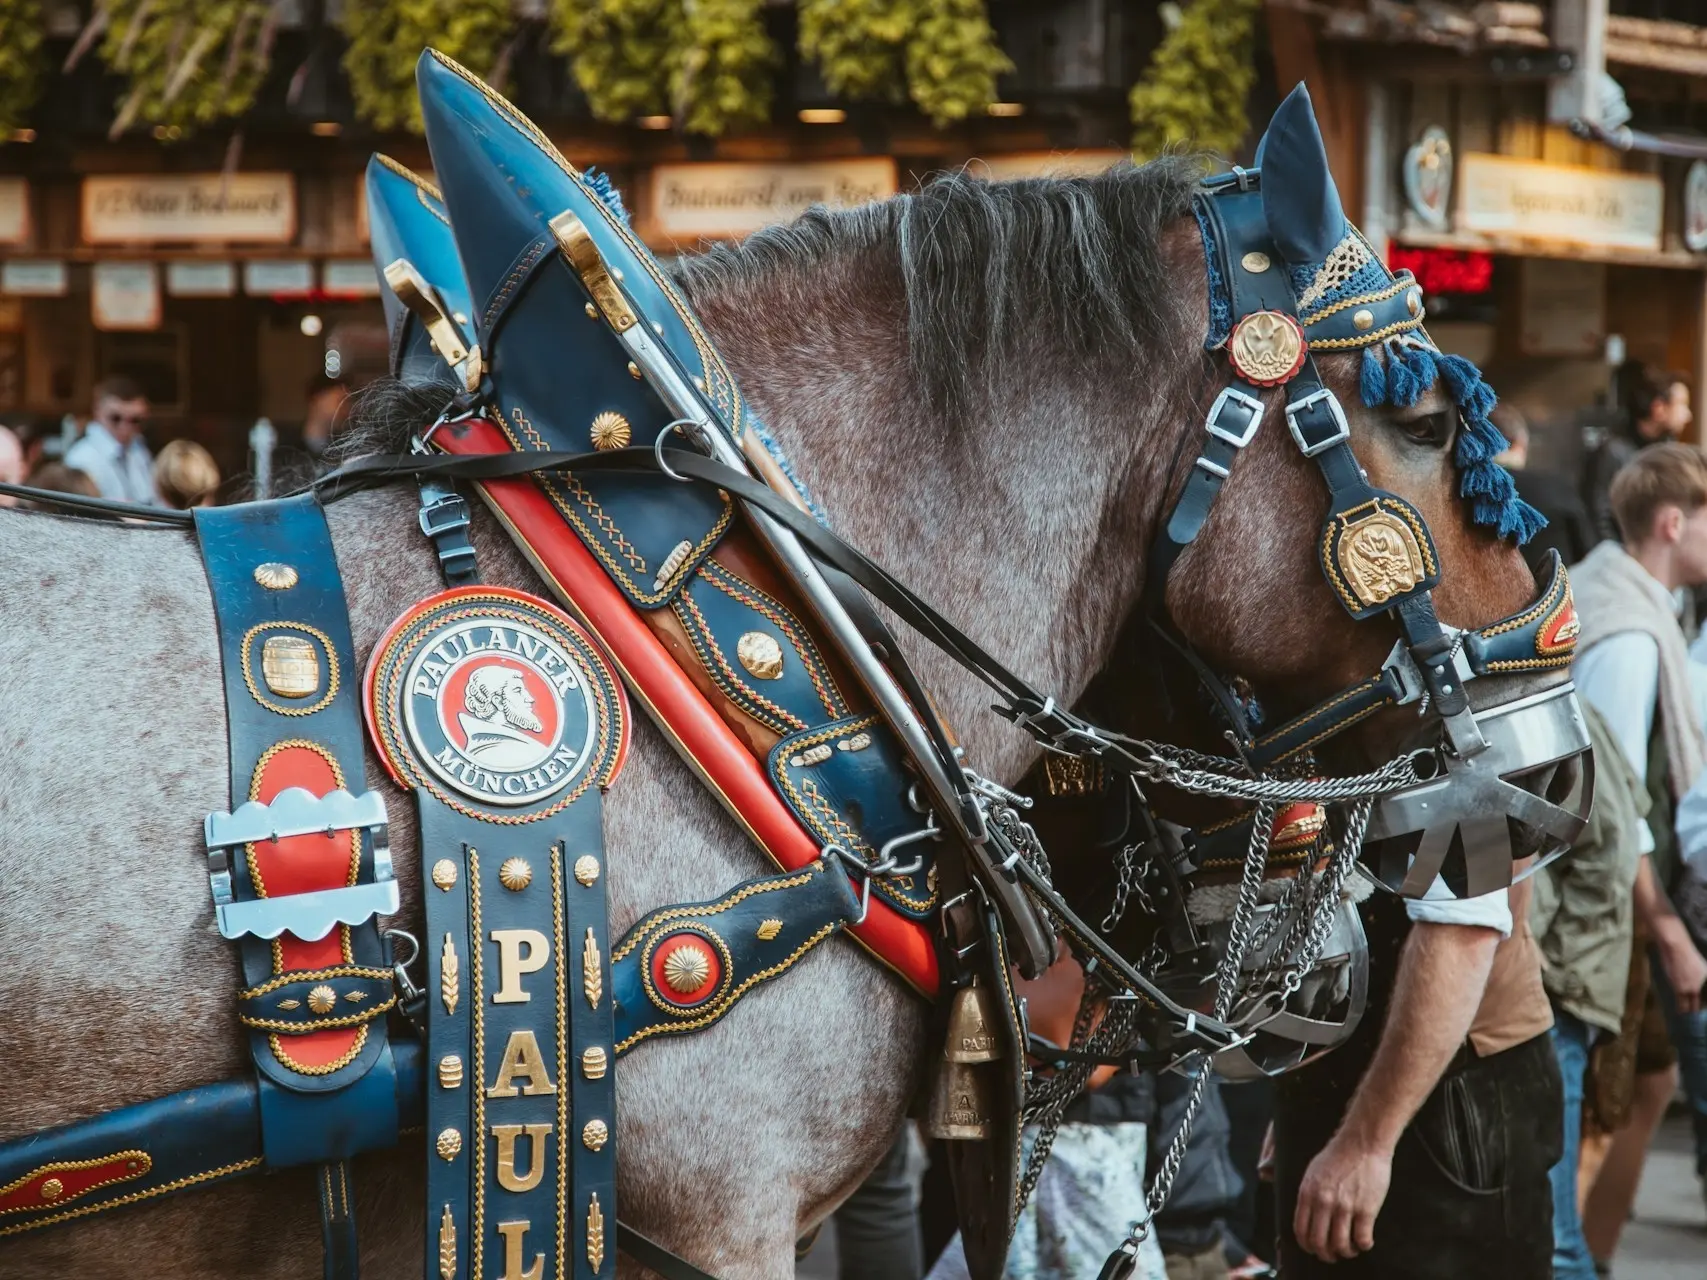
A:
(1434, 430)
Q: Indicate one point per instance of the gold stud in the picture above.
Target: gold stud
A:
(515, 874)
(1255, 262)
(450, 1142)
(633, 370)
(290, 666)
(275, 576)
(592, 311)
(587, 869)
(1414, 302)
(761, 654)
(450, 1072)
(322, 999)
(53, 1188)
(686, 968)
(769, 929)
(444, 874)
(611, 431)
(593, 1063)
(594, 1135)
(1363, 319)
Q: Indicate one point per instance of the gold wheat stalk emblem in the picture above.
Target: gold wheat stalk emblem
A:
(447, 1246)
(449, 971)
(595, 1234)
(592, 972)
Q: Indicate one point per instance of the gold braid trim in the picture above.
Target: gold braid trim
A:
(165, 1187)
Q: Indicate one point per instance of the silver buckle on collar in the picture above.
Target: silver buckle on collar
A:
(1335, 411)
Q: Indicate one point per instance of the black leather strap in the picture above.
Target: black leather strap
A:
(444, 519)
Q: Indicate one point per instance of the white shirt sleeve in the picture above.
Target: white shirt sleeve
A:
(1691, 826)
(1438, 906)
(1620, 677)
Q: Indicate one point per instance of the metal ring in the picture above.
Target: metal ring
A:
(414, 946)
(658, 447)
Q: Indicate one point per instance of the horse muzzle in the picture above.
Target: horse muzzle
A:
(1524, 792)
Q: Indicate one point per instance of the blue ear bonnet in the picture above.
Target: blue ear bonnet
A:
(1347, 300)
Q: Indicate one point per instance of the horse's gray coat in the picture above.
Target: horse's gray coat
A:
(1014, 483)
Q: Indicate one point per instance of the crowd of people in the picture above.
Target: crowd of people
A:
(110, 458)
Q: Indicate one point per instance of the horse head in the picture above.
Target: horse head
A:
(1337, 568)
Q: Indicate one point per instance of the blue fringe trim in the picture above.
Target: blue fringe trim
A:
(606, 190)
(775, 450)
(1220, 305)
(1400, 374)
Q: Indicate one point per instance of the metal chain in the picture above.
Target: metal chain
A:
(1126, 865)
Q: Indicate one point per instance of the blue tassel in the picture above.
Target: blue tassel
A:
(1372, 381)
(606, 191)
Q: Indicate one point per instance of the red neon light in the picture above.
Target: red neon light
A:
(1446, 270)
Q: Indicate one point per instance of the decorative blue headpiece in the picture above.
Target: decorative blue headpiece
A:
(1348, 300)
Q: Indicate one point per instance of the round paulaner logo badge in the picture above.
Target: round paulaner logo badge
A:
(497, 703)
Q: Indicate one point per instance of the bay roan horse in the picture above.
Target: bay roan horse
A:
(992, 389)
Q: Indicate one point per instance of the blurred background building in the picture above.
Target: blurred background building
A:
(180, 189)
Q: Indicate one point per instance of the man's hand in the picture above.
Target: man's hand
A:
(1342, 1192)
(1684, 967)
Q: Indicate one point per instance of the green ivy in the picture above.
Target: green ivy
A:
(953, 60)
(386, 39)
(940, 53)
(20, 62)
(1193, 92)
(188, 62)
(722, 79)
(624, 54)
(859, 46)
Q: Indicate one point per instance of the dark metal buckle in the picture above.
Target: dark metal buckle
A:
(445, 515)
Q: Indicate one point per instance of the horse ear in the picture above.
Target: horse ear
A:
(1298, 194)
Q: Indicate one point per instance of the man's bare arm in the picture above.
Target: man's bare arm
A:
(1443, 972)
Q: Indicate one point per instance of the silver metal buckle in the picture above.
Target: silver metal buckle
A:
(1235, 396)
(296, 811)
(1335, 411)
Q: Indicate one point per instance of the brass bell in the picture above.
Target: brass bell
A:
(972, 1034)
(960, 1109)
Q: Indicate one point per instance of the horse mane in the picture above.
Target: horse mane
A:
(985, 266)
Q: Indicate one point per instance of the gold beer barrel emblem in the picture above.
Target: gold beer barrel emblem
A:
(290, 666)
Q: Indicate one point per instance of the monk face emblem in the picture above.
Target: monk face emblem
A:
(1267, 348)
(501, 712)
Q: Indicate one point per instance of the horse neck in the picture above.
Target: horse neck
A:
(1024, 521)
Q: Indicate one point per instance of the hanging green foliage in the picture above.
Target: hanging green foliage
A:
(20, 62)
(722, 79)
(940, 53)
(953, 60)
(188, 62)
(859, 46)
(1193, 92)
(386, 38)
(624, 53)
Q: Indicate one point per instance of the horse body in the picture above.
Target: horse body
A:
(117, 988)
(988, 389)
